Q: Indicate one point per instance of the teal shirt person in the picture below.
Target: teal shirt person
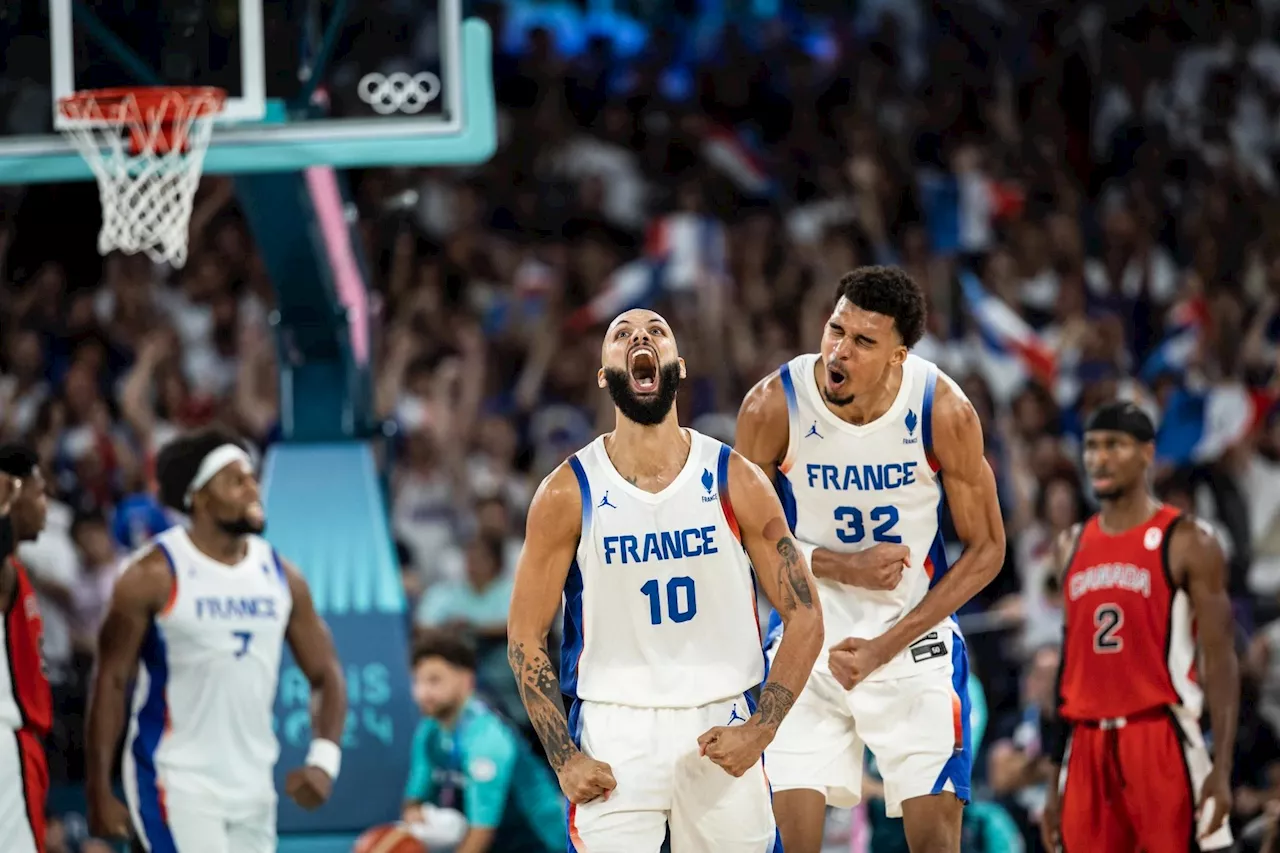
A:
(487, 771)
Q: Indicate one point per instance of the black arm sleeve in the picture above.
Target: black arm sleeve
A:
(1056, 731)
(6, 537)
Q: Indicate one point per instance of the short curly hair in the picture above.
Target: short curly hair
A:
(888, 291)
(447, 645)
(179, 460)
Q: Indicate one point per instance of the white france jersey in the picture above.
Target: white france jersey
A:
(207, 679)
(846, 487)
(660, 602)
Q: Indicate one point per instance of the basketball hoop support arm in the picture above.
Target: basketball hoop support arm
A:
(321, 61)
(146, 76)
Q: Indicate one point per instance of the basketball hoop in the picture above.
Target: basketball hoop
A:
(146, 147)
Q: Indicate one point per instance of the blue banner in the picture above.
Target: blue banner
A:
(381, 718)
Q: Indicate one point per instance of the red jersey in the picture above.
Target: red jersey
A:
(25, 699)
(1130, 639)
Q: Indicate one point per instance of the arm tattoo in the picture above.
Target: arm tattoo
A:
(540, 692)
(792, 579)
(775, 702)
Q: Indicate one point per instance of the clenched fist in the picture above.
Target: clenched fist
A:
(878, 567)
(583, 779)
(736, 749)
(851, 660)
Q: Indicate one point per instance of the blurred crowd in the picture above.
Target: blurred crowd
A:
(1087, 192)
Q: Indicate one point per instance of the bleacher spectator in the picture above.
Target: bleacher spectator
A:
(1104, 173)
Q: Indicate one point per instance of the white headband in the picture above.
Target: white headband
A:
(218, 458)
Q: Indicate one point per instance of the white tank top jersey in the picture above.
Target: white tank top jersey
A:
(846, 487)
(207, 678)
(660, 602)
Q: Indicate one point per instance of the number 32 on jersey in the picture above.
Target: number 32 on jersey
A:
(850, 528)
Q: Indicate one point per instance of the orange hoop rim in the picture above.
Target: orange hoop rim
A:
(209, 101)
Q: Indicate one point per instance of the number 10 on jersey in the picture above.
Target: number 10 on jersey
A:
(681, 600)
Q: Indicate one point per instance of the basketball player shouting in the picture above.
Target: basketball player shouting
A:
(651, 532)
(859, 439)
(206, 609)
(1142, 583)
(26, 705)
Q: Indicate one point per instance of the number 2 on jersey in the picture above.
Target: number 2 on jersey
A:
(244, 638)
(852, 530)
(675, 611)
(1107, 620)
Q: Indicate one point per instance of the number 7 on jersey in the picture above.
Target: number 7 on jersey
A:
(243, 638)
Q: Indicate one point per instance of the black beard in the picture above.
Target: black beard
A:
(241, 527)
(836, 401)
(649, 412)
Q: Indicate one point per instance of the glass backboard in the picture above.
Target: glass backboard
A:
(337, 82)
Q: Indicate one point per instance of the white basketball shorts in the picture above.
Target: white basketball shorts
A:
(916, 726)
(662, 779)
(182, 823)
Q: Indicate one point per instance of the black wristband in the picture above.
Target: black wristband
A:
(1056, 732)
(6, 537)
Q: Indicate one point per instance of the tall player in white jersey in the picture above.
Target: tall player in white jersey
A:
(651, 533)
(860, 438)
(199, 618)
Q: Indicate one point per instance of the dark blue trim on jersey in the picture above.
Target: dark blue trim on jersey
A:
(772, 633)
(789, 391)
(168, 558)
(926, 410)
(584, 489)
(574, 628)
(786, 497)
(574, 631)
(152, 720)
(959, 768)
(280, 572)
(722, 470)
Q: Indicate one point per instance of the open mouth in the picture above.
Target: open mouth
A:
(835, 376)
(643, 370)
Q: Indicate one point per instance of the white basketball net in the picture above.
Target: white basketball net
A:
(146, 194)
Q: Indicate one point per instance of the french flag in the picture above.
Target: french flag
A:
(695, 248)
(961, 209)
(727, 151)
(1198, 426)
(1005, 332)
(1187, 321)
(635, 284)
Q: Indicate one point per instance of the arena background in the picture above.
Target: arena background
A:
(404, 317)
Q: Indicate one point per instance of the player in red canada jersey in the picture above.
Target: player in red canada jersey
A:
(26, 706)
(1141, 585)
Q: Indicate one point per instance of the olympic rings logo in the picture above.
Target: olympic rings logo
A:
(399, 92)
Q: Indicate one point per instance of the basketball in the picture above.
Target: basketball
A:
(388, 838)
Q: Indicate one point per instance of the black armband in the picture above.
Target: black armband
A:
(6, 537)
(1054, 738)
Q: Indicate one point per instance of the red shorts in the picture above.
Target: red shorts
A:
(1132, 788)
(24, 788)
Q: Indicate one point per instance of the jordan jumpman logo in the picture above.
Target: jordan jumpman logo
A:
(734, 715)
(604, 501)
(813, 430)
